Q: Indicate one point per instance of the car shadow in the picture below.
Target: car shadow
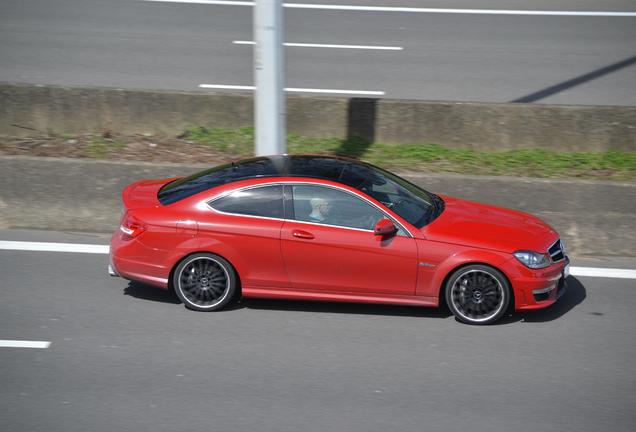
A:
(343, 308)
(574, 295)
(148, 292)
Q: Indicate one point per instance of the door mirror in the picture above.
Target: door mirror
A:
(384, 227)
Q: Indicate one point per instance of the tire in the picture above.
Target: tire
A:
(205, 282)
(478, 294)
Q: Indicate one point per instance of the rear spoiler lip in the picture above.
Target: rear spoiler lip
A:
(147, 190)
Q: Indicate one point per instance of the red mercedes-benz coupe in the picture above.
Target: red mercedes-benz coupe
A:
(333, 229)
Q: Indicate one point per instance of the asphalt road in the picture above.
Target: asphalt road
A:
(466, 57)
(124, 356)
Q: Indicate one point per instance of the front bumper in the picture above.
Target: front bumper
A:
(551, 292)
(537, 289)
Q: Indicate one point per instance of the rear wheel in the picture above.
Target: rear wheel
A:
(205, 282)
(478, 294)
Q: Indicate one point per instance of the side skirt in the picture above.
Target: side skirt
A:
(149, 280)
(275, 293)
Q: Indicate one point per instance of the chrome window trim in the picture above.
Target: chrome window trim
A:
(283, 183)
(225, 194)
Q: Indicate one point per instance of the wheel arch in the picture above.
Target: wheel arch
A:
(445, 269)
(442, 286)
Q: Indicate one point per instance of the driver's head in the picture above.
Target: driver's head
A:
(320, 205)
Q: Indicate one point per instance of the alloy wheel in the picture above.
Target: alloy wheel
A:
(203, 282)
(477, 295)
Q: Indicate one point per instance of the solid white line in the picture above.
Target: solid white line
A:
(103, 249)
(603, 272)
(456, 11)
(297, 90)
(414, 9)
(54, 247)
(311, 45)
(24, 344)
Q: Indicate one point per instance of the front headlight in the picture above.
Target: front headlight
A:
(533, 260)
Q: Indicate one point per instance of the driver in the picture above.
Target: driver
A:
(320, 209)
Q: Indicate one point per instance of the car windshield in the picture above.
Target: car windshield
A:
(410, 202)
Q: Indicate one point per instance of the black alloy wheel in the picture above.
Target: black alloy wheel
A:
(478, 294)
(205, 282)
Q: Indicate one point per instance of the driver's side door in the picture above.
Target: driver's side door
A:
(341, 254)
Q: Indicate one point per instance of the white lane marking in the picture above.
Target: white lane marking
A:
(227, 87)
(210, 2)
(312, 45)
(24, 344)
(54, 247)
(103, 249)
(603, 272)
(414, 9)
(296, 90)
(358, 92)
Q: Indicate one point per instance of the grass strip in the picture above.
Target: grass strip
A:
(612, 165)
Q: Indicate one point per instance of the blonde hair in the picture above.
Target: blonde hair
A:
(315, 202)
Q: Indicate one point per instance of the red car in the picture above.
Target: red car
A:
(333, 229)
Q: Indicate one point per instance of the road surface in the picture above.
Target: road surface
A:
(472, 56)
(124, 356)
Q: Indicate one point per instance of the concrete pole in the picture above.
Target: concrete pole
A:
(269, 78)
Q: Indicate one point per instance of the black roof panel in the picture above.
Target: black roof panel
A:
(337, 169)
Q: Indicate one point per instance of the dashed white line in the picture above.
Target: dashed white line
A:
(24, 344)
(54, 247)
(227, 87)
(332, 91)
(416, 9)
(210, 2)
(296, 90)
(103, 249)
(313, 45)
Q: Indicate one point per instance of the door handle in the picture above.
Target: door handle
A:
(302, 234)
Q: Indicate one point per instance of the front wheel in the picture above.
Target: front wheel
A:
(478, 294)
(205, 282)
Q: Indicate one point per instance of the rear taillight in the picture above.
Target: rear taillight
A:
(131, 226)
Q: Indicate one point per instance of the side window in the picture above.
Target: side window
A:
(265, 201)
(333, 207)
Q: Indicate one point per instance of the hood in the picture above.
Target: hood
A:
(480, 225)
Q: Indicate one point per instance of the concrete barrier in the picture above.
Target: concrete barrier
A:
(593, 217)
(28, 110)
(508, 126)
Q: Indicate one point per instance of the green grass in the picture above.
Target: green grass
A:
(101, 148)
(234, 141)
(436, 158)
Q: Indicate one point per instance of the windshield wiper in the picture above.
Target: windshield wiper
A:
(436, 209)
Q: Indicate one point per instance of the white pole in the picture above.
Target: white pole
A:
(269, 78)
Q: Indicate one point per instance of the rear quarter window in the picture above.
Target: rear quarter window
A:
(220, 175)
(264, 201)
